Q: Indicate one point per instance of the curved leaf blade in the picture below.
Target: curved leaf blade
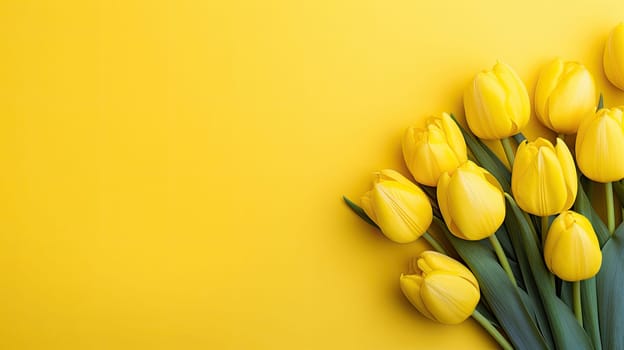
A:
(609, 282)
(583, 206)
(567, 332)
(486, 158)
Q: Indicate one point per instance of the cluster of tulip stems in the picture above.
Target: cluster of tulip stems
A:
(519, 246)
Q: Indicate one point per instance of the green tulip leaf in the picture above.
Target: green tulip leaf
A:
(600, 102)
(519, 137)
(483, 309)
(583, 206)
(567, 333)
(506, 243)
(511, 223)
(486, 158)
(589, 305)
(609, 282)
(589, 302)
(503, 298)
(567, 294)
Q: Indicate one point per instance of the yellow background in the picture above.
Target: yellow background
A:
(172, 171)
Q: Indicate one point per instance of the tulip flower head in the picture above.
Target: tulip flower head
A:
(471, 201)
(497, 103)
(613, 58)
(399, 207)
(543, 179)
(433, 149)
(565, 95)
(571, 250)
(441, 288)
(600, 145)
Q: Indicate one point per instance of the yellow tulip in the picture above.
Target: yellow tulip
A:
(571, 250)
(613, 59)
(497, 103)
(565, 95)
(471, 201)
(434, 148)
(441, 288)
(398, 206)
(600, 145)
(543, 179)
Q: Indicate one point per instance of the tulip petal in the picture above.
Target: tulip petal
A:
(442, 195)
(392, 175)
(600, 146)
(571, 250)
(547, 82)
(524, 156)
(443, 159)
(614, 57)
(366, 204)
(454, 138)
(517, 98)
(476, 206)
(402, 213)
(550, 184)
(496, 103)
(573, 100)
(443, 204)
(538, 183)
(430, 260)
(451, 299)
(411, 288)
(412, 145)
(434, 149)
(428, 170)
(575, 245)
(491, 120)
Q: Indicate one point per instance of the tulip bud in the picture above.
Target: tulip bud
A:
(600, 145)
(398, 206)
(613, 59)
(441, 288)
(471, 201)
(543, 179)
(571, 250)
(497, 103)
(433, 149)
(565, 95)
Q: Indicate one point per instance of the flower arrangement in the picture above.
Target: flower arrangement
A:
(519, 245)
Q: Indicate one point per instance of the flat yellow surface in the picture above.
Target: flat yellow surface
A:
(172, 171)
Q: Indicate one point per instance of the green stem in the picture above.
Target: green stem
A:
(576, 295)
(502, 258)
(528, 219)
(509, 153)
(500, 339)
(610, 211)
(434, 243)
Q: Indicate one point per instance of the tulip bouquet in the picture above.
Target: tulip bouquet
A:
(516, 241)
